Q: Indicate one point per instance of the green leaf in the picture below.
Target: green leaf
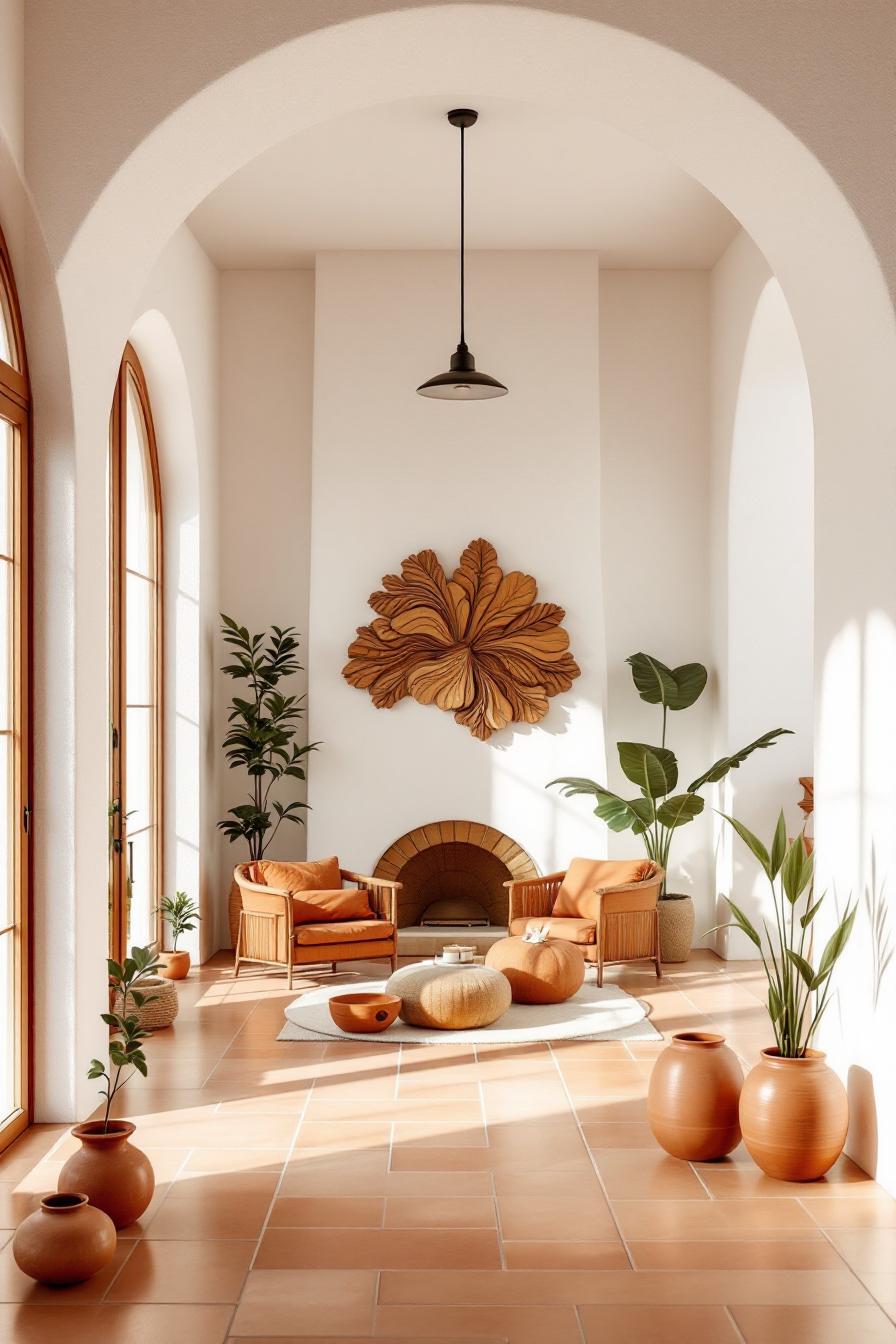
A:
(752, 841)
(779, 846)
(653, 769)
(690, 683)
(681, 809)
(835, 945)
(726, 763)
(653, 680)
(775, 1006)
(803, 966)
(796, 873)
(742, 922)
(807, 918)
(618, 813)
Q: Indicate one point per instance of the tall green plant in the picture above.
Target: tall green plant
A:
(798, 992)
(658, 812)
(126, 1041)
(261, 737)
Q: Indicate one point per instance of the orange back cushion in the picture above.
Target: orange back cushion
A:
(323, 875)
(576, 899)
(326, 907)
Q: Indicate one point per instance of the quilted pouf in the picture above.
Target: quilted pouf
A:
(450, 998)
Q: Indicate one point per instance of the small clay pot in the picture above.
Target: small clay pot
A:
(364, 1012)
(692, 1099)
(794, 1114)
(115, 1176)
(174, 965)
(676, 916)
(64, 1241)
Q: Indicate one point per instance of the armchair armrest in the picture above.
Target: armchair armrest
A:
(631, 895)
(383, 893)
(533, 896)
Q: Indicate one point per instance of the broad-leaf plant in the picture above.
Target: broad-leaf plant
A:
(261, 737)
(181, 913)
(659, 811)
(798, 991)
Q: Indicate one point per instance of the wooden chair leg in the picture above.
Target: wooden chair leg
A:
(236, 951)
(394, 960)
(656, 925)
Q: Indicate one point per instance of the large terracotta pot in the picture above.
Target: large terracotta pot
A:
(676, 915)
(692, 1099)
(174, 965)
(794, 1115)
(65, 1241)
(115, 1176)
(548, 972)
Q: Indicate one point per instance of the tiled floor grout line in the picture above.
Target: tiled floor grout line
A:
(734, 1325)
(279, 1185)
(846, 1265)
(589, 1151)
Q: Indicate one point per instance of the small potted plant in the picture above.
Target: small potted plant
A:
(181, 914)
(115, 1176)
(794, 1111)
(659, 812)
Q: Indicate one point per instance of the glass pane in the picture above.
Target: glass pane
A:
(140, 889)
(138, 781)
(8, 352)
(7, 891)
(7, 444)
(139, 604)
(139, 513)
(9, 1043)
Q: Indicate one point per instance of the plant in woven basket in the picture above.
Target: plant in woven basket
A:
(181, 914)
(261, 736)
(798, 991)
(125, 1043)
(658, 812)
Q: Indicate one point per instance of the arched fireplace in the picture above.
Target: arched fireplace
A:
(453, 875)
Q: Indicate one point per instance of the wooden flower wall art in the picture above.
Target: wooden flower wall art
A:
(477, 644)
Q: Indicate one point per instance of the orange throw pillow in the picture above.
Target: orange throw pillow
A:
(327, 907)
(323, 875)
(576, 898)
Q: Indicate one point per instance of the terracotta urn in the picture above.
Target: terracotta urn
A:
(794, 1115)
(548, 972)
(693, 1095)
(65, 1241)
(364, 1012)
(174, 965)
(676, 916)
(115, 1176)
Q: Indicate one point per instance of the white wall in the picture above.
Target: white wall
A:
(176, 339)
(654, 380)
(394, 473)
(762, 516)
(264, 497)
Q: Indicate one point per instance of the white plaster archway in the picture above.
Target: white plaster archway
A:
(714, 130)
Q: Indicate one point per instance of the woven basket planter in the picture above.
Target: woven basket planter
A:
(676, 928)
(160, 1008)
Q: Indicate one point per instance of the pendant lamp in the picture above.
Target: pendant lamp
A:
(462, 382)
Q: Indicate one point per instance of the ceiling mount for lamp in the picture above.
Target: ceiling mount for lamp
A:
(462, 382)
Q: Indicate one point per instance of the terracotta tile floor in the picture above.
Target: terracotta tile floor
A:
(508, 1195)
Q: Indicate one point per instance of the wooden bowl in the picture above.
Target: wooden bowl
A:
(364, 1012)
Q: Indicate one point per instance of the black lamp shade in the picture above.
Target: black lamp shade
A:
(462, 382)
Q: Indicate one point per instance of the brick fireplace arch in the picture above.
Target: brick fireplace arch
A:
(454, 860)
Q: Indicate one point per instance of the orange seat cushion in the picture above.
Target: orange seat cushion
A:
(322, 875)
(569, 930)
(344, 903)
(576, 898)
(347, 931)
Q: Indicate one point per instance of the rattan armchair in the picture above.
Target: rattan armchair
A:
(269, 934)
(623, 920)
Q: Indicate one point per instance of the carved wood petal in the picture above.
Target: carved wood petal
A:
(478, 644)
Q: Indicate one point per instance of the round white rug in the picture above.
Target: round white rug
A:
(607, 1014)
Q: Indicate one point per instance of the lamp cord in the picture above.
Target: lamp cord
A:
(462, 238)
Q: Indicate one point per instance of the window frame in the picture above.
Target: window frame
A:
(131, 371)
(16, 408)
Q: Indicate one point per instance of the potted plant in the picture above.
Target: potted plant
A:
(794, 1112)
(181, 914)
(261, 738)
(658, 812)
(115, 1176)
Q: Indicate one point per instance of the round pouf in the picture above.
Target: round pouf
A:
(450, 998)
(548, 972)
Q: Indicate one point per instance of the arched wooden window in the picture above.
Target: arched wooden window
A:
(15, 716)
(136, 664)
